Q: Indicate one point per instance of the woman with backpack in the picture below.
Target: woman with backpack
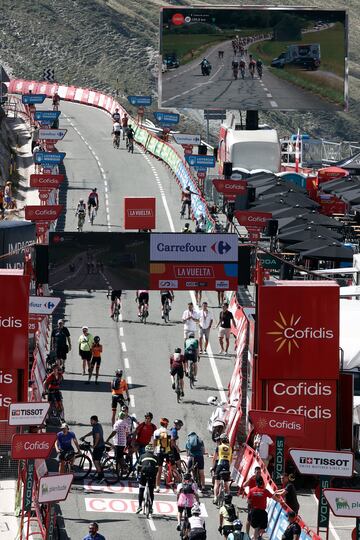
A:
(227, 516)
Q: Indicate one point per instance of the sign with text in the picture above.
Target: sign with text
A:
(219, 248)
(54, 488)
(43, 213)
(32, 445)
(252, 220)
(198, 160)
(344, 502)
(230, 187)
(189, 276)
(47, 181)
(186, 138)
(52, 134)
(28, 414)
(46, 117)
(43, 305)
(33, 99)
(9, 381)
(139, 213)
(299, 321)
(323, 463)
(282, 424)
(54, 158)
(167, 118)
(140, 100)
(28, 486)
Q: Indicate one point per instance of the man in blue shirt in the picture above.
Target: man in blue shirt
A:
(64, 445)
(93, 533)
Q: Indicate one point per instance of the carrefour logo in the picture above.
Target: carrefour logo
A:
(289, 332)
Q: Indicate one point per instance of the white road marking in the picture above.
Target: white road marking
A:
(162, 192)
(129, 380)
(132, 401)
(151, 524)
(126, 363)
(123, 346)
(121, 331)
(273, 104)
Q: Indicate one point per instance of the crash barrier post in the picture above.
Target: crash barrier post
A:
(242, 469)
(150, 142)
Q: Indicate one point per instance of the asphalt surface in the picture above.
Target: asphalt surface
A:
(187, 87)
(141, 350)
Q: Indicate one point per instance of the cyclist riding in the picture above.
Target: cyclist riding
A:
(116, 116)
(187, 494)
(186, 201)
(80, 213)
(196, 524)
(130, 138)
(115, 298)
(191, 352)
(259, 67)
(119, 388)
(52, 386)
(235, 68)
(242, 68)
(64, 446)
(161, 439)
(142, 298)
(175, 450)
(166, 295)
(125, 120)
(56, 101)
(177, 367)
(147, 470)
(222, 459)
(116, 132)
(93, 200)
(252, 65)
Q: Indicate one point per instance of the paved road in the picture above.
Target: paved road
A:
(187, 87)
(141, 350)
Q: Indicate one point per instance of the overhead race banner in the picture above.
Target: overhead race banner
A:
(219, 248)
(323, 463)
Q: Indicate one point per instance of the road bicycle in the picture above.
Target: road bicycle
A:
(56, 414)
(81, 220)
(144, 312)
(166, 311)
(81, 467)
(252, 70)
(173, 474)
(130, 145)
(178, 388)
(93, 212)
(224, 479)
(242, 72)
(147, 503)
(192, 374)
(116, 140)
(184, 525)
(78, 464)
(117, 309)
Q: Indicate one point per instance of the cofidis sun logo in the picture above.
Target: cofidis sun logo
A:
(290, 332)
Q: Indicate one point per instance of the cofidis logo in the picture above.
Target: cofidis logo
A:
(289, 332)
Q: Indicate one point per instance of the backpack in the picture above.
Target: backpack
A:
(230, 508)
(187, 488)
(115, 385)
(238, 535)
(193, 443)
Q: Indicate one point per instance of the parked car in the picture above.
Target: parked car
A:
(171, 61)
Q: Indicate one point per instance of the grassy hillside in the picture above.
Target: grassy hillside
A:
(112, 45)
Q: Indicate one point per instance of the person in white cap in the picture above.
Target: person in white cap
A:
(86, 341)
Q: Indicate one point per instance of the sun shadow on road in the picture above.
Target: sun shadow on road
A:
(81, 386)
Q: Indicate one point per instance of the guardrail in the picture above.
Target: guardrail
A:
(143, 136)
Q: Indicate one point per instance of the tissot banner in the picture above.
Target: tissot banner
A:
(298, 330)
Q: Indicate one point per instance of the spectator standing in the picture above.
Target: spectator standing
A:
(261, 445)
(226, 322)
(2, 211)
(61, 342)
(124, 122)
(98, 445)
(93, 533)
(288, 492)
(144, 433)
(257, 499)
(251, 483)
(96, 352)
(293, 530)
(190, 317)
(205, 322)
(86, 341)
(8, 194)
(120, 432)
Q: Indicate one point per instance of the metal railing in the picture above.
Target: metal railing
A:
(8, 466)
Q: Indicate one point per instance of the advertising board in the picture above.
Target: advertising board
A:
(186, 138)
(219, 248)
(230, 187)
(8, 390)
(28, 414)
(15, 238)
(252, 220)
(139, 213)
(52, 134)
(298, 323)
(54, 488)
(323, 463)
(280, 424)
(32, 445)
(344, 502)
(193, 276)
(43, 305)
(43, 213)
(303, 54)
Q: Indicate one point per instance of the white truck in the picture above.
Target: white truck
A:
(304, 56)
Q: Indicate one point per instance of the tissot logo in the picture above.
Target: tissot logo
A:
(289, 332)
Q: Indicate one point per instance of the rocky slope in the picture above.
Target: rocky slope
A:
(112, 45)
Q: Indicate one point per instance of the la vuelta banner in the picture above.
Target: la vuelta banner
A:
(298, 330)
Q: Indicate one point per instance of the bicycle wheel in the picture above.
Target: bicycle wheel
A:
(147, 502)
(191, 375)
(166, 315)
(81, 466)
(183, 466)
(111, 474)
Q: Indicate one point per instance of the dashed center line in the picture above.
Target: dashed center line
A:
(123, 346)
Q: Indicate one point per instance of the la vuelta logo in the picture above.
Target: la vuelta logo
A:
(289, 332)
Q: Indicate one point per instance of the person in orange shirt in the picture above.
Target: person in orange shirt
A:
(96, 350)
(119, 388)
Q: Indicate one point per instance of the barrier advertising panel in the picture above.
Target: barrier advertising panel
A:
(8, 390)
(323, 463)
(139, 213)
(230, 187)
(28, 414)
(43, 213)
(282, 424)
(54, 488)
(32, 445)
(46, 181)
(15, 239)
(299, 330)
